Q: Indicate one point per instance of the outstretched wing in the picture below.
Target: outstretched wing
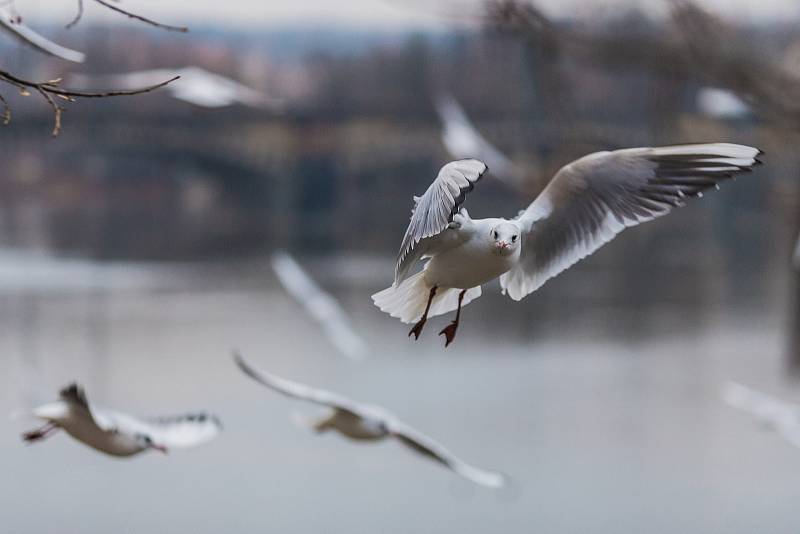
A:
(435, 209)
(297, 390)
(22, 33)
(592, 199)
(433, 450)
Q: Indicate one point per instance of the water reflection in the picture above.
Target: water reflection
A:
(600, 398)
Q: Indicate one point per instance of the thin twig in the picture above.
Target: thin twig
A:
(141, 18)
(77, 16)
(51, 88)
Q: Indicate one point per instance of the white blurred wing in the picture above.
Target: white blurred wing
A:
(322, 307)
(781, 416)
(300, 391)
(435, 209)
(180, 431)
(424, 445)
(592, 199)
(31, 38)
(463, 140)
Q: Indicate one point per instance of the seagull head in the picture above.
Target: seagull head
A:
(505, 238)
(146, 442)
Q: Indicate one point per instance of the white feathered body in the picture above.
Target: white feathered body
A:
(76, 422)
(460, 258)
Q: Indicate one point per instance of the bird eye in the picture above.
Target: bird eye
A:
(513, 239)
(494, 234)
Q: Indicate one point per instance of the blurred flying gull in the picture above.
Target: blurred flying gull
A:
(322, 307)
(721, 103)
(196, 86)
(363, 422)
(462, 140)
(116, 433)
(585, 205)
(780, 416)
(14, 26)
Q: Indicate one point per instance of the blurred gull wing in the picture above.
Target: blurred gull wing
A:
(74, 395)
(428, 447)
(322, 307)
(721, 103)
(296, 390)
(783, 417)
(196, 86)
(462, 140)
(40, 43)
(181, 431)
(592, 199)
(435, 209)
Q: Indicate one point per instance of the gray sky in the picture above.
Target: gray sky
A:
(429, 14)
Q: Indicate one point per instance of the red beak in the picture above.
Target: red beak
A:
(160, 448)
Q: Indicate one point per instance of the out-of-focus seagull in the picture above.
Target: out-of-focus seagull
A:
(196, 86)
(721, 103)
(14, 26)
(585, 205)
(116, 433)
(322, 307)
(780, 416)
(463, 140)
(364, 422)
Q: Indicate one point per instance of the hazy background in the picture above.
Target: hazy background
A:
(135, 254)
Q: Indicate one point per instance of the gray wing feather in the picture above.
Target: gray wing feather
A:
(592, 199)
(433, 450)
(297, 390)
(30, 37)
(435, 209)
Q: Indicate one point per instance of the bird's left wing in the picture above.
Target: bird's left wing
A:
(592, 199)
(428, 447)
(297, 390)
(434, 210)
(23, 33)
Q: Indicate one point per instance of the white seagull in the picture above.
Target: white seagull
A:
(14, 26)
(780, 416)
(363, 422)
(119, 434)
(196, 86)
(585, 205)
(322, 307)
(463, 140)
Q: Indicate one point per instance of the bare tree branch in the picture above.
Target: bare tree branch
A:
(142, 19)
(78, 15)
(51, 88)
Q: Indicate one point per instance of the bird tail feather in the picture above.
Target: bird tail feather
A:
(407, 300)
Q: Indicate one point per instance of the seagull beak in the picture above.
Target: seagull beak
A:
(502, 245)
(160, 448)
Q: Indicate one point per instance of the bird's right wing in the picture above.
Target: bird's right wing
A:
(433, 450)
(297, 390)
(26, 35)
(434, 210)
(75, 396)
(594, 198)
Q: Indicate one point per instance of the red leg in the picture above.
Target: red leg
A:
(417, 330)
(450, 330)
(39, 433)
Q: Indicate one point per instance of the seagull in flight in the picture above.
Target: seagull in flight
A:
(13, 25)
(585, 205)
(780, 416)
(196, 86)
(463, 140)
(116, 433)
(363, 422)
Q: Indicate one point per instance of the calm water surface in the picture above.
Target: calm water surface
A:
(601, 399)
